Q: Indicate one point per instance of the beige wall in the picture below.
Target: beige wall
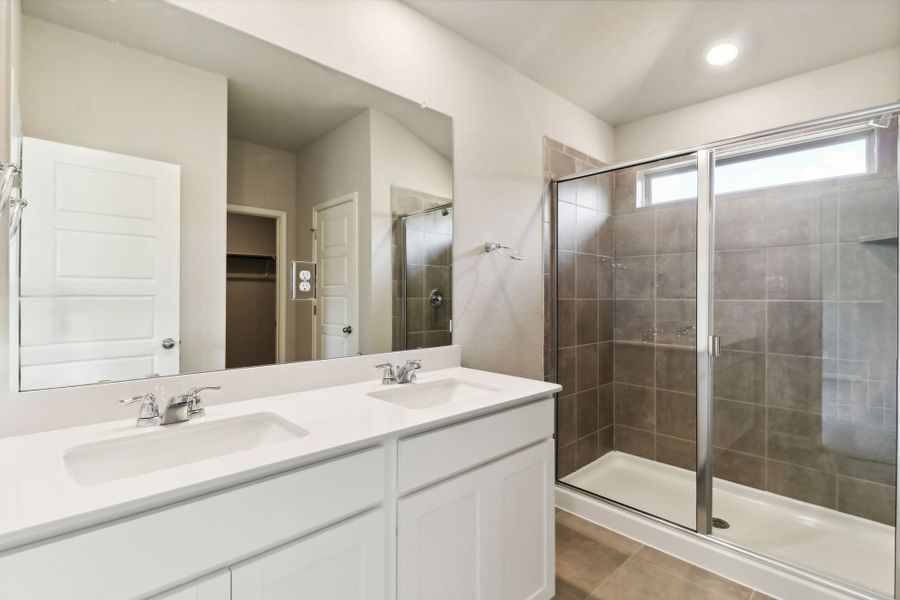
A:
(335, 165)
(499, 118)
(852, 85)
(77, 89)
(267, 178)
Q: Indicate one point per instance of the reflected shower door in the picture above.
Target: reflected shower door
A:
(805, 305)
(626, 283)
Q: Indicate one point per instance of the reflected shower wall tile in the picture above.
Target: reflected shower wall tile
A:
(587, 225)
(566, 365)
(436, 278)
(741, 324)
(605, 320)
(676, 229)
(676, 414)
(632, 319)
(740, 468)
(415, 281)
(586, 412)
(676, 452)
(636, 279)
(806, 328)
(868, 271)
(740, 376)
(739, 426)
(799, 383)
(586, 319)
(624, 192)
(868, 332)
(740, 222)
(634, 406)
(415, 246)
(565, 420)
(566, 274)
(635, 234)
(740, 274)
(865, 499)
(796, 437)
(605, 405)
(566, 226)
(586, 273)
(605, 362)
(606, 277)
(587, 374)
(676, 276)
(801, 483)
(802, 215)
(563, 165)
(586, 193)
(868, 208)
(676, 369)
(676, 318)
(415, 314)
(635, 441)
(634, 363)
(802, 272)
(566, 322)
(870, 470)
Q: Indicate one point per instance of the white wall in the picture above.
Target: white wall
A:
(852, 85)
(266, 177)
(331, 167)
(399, 158)
(77, 89)
(498, 116)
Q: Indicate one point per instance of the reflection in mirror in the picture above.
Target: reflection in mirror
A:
(201, 200)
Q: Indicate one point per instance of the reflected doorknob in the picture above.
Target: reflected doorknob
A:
(347, 329)
(168, 343)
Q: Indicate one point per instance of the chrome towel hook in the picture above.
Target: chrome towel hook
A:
(504, 250)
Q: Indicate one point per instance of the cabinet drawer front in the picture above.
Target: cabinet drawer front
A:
(154, 551)
(344, 562)
(435, 455)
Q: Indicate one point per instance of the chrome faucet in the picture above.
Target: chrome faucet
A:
(404, 374)
(407, 373)
(178, 409)
(651, 332)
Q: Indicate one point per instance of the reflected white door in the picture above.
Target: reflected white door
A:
(336, 271)
(99, 278)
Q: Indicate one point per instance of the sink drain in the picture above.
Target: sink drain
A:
(720, 523)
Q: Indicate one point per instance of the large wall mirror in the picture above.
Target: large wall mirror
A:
(199, 199)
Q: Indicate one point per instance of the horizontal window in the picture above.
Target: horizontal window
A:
(838, 157)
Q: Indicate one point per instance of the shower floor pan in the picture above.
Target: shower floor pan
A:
(828, 542)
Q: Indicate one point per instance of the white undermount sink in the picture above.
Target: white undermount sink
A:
(433, 393)
(171, 446)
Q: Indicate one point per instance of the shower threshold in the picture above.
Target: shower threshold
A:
(822, 540)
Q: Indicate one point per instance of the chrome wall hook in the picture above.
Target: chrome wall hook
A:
(504, 250)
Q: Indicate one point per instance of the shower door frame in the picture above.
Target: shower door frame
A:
(707, 344)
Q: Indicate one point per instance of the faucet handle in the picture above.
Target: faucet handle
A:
(414, 363)
(149, 414)
(195, 402)
(388, 376)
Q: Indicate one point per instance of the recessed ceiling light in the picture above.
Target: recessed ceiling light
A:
(722, 54)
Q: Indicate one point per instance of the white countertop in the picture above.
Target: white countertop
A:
(39, 499)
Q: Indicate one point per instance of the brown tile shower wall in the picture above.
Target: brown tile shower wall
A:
(584, 408)
(805, 302)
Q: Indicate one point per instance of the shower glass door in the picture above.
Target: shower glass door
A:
(626, 317)
(804, 389)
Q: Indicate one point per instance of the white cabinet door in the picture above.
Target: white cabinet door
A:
(214, 587)
(522, 502)
(442, 537)
(343, 562)
(484, 535)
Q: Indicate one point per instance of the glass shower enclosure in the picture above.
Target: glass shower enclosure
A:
(726, 339)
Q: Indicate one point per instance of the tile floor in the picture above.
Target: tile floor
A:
(594, 563)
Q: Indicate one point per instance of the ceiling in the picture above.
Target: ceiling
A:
(624, 60)
(275, 97)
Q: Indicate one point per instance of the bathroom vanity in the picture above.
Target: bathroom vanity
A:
(440, 489)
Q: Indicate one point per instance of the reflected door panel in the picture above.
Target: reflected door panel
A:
(336, 256)
(99, 267)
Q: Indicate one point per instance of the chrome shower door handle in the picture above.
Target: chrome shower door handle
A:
(168, 343)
